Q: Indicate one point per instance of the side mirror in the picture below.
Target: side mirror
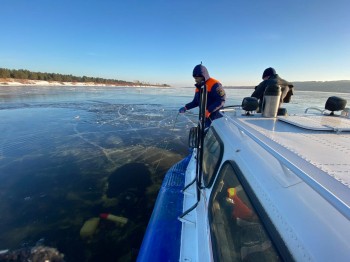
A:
(250, 104)
(193, 137)
(335, 103)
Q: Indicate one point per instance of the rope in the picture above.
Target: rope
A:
(167, 144)
(172, 129)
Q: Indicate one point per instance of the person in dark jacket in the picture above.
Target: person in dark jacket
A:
(215, 98)
(270, 77)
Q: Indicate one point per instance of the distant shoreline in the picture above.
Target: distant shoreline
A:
(29, 82)
(341, 86)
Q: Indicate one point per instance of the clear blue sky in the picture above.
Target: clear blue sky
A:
(160, 41)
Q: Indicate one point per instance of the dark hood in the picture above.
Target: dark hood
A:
(269, 72)
(201, 71)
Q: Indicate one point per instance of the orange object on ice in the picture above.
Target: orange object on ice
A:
(117, 219)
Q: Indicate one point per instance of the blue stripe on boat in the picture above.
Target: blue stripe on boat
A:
(162, 238)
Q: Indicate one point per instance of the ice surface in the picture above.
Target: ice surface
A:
(58, 149)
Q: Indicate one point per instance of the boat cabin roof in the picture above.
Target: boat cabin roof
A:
(315, 147)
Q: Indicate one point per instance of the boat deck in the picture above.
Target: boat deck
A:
(316, 148)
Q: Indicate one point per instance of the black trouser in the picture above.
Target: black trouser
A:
(214, 115)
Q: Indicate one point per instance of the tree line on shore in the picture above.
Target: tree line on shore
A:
(29, 75)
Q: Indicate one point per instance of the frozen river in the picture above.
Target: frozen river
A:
(68, 154)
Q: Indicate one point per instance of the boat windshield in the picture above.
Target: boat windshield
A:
(236, 230)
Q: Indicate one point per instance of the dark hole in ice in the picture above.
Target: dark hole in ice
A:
(131, 177)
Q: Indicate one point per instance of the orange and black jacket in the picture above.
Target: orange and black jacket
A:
(216, 94)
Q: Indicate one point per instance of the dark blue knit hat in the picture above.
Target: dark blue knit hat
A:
(268, 72)
(200, 71)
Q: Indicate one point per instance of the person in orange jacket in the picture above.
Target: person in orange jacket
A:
(216, 94)
(240, 210)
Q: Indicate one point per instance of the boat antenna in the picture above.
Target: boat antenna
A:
(201, 130)
(199, 156)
